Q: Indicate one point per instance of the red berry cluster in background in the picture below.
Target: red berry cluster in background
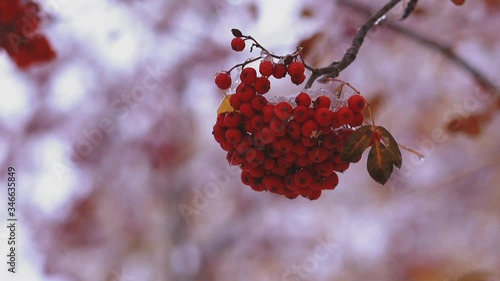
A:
(19, 36)
(288, 147)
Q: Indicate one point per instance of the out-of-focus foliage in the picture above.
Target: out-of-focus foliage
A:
(122, 180)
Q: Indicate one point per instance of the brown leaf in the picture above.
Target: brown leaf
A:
(380, 163)
(392, 146)
(356, 143)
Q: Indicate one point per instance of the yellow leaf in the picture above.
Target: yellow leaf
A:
(225, 106)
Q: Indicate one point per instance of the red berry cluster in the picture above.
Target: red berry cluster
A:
(19, 24)
(288, 147)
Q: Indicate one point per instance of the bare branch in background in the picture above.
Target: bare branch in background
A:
(334, 69)
(446, 51)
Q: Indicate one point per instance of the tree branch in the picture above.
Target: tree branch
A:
(446, 51)
(334, 69)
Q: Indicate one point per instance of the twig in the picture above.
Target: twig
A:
(333, 70)
(442, 49)
(409, 9)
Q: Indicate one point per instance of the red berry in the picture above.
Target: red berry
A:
(262, 85)
(266, 68)
(258, 102)
(335, 121)
(299, 148)
(233, 119)
(274, 184)
(247, 125)
(247, 110)
(283, 111)
(246, 178)
(255, 157)
(268, 112)
(357, 120)
(322, 102)
(233, 135)
(257, 171)
(341, 167)
(283, 144)
(309, 128)
(303, 161)
(318, 154)
(295, 69)
(302, 178)
(266, 136)
(356, 103)
(223, 80)
(297, 80)
(323, 116)
(220, 119)
(248, 75)
(257, 122)
(294, 129)
(238, 44)
(244, 144)
(315, 194)
(325, 168)
(219, 133)
(308, 141)
(345, 115)
(303, 99)
(235, 101)
(269, 162)
(290, 194)
(300, 114)
(245, 92)
(279, 70)
(278, 127)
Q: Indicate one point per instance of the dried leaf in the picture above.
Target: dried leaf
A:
(225, 106)
(380, 163)
(356, 143)
(392, 146)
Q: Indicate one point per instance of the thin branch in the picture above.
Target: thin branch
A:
(446, 51)
(333, 70)
(409, 9)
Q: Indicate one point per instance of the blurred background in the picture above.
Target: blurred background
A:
(119, 178)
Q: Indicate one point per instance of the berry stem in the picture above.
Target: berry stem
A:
(420, 155)
(370, 113)
(244, 63)
(333, 70)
